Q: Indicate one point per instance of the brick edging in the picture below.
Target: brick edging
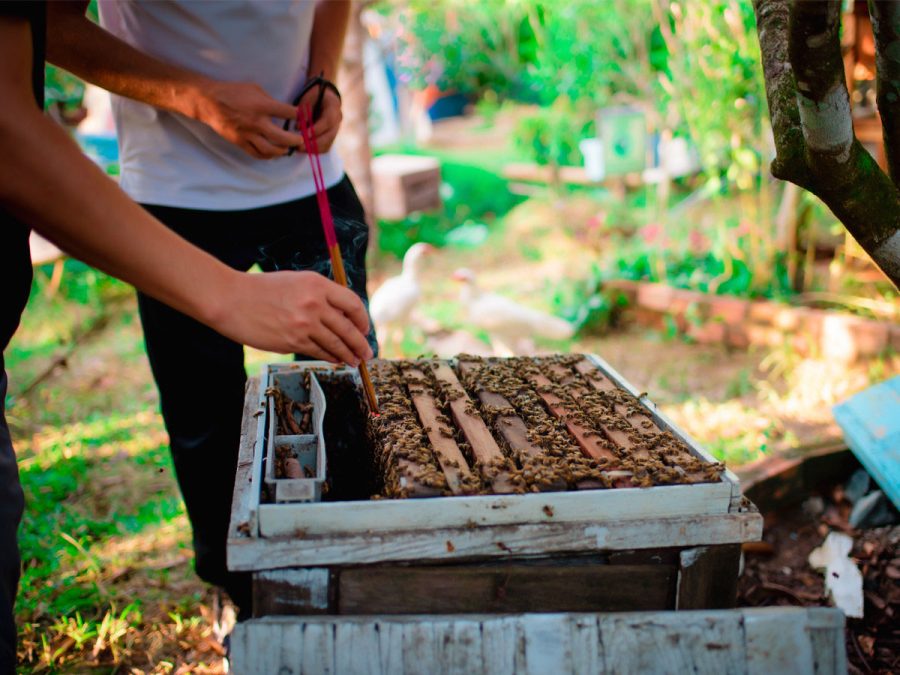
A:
(740, 323)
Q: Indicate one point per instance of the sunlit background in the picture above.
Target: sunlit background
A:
(604, 163)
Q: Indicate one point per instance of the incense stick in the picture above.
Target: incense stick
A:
(304, 119)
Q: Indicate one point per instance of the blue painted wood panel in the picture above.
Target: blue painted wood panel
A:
(871, 424)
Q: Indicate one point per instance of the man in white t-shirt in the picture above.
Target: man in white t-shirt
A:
(201, 93)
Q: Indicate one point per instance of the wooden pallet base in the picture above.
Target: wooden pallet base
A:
(747, 641)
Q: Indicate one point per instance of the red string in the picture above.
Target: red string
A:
(304, 117)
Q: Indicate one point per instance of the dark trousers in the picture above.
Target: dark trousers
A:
(12, 502)
(200, 374)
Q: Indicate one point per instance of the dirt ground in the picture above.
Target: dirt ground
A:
(777, 573)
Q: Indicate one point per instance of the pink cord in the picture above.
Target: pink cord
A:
(304, 119)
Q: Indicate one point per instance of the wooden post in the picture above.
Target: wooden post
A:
(708, 577)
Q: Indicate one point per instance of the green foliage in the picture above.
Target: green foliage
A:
(472, 197)
(61, 88)
(551, 134)
(528, 50)
(57, 531)
(693, 67)
(585, 303)
(470, 47)
(52, 318)
(714, 83)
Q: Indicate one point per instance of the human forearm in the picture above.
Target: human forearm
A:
(88, 216)
(327, 38)
(46, 182)
(240, 112)
(77, 44)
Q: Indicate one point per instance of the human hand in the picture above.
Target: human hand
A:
(326, 127)
(242, 112)
(295, 312)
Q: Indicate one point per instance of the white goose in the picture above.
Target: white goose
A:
(392, 305)
(510, 325)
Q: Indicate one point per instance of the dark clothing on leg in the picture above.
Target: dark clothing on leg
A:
(200, 374)
(15, 282)
(12, 502)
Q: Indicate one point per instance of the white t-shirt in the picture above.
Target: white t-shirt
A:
(170, 160)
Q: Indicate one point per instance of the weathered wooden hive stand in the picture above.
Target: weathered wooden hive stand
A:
(488, 496)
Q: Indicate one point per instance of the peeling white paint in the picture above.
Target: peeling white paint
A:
(692, 555)
(827, 125)
(599, 532)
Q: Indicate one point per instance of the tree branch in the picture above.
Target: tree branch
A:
(885, 16)
(813, 128)
(822, 98)
(772, 17)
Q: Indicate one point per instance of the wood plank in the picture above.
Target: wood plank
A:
(826, 627)
(746, 641)
(870, 421)
(777, 641)
(464, 649)
(256, 647)
(409, 470)
(487, 453)
(513, 429)
(390, 646)
(565, 376)
(590, 442)
(318, 649)
(394, 515)
(666, 424)
(243, 501)
(708, 577)
(291, 647)
(420, 651)
(675, 642)
(361, 658)
(448, 453)
(547, 644)
(644, 424)
(291, 591)
(505, 588)
(485, 542)
(587, 650)
(501, 648)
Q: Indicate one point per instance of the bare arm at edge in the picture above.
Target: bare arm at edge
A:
(47, 182)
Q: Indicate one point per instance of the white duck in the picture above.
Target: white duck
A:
(393, 303)
(510, 325)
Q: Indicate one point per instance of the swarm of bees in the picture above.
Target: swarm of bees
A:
(545, 455)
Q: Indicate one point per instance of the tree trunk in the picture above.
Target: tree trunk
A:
(353, 141)
(813, 128)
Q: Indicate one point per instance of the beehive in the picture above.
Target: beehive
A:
(569, 492)
(482, 426)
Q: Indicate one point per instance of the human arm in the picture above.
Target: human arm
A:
(240, 112)
(45, 181)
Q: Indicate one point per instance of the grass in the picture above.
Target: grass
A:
(107, 579)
